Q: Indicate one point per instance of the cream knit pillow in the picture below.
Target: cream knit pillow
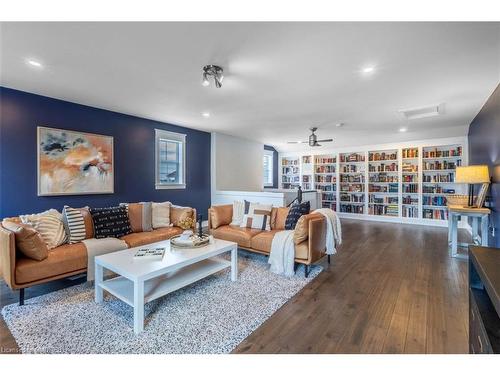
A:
(161, 214)
(50, 226)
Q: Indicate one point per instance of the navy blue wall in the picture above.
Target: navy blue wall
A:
(275, 166)
(484, 148)
(134, 155)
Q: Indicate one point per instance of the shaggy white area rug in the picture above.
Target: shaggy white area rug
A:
(211, 316)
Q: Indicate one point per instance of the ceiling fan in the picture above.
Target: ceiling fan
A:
(313, 139)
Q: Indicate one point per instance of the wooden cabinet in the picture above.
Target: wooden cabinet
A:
(484, 300)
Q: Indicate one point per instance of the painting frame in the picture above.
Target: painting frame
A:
(42, 193)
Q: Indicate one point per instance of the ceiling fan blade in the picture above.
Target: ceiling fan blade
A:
(316, 145)
(297, 142)
(325, 140)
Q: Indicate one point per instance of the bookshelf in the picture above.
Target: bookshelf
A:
(325, 179)
(290, 173)
(383, 183)
(307, 172)
(410, 187)
(438, 179)
(352, 182)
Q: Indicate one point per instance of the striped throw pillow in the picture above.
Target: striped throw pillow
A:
(240, 208)
(50, 226)
(74, 224)
(256, 221)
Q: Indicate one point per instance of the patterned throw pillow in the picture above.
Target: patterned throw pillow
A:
(258, 217)
(140, 216)
(296, 211)
(78, 223)
(50, 226)
(240, 208)
(110, 222)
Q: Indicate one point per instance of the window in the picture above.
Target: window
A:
(170, 160)
(268, 168)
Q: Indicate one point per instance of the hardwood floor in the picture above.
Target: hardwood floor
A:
(392, 288)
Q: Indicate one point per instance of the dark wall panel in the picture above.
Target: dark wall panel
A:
(134, 154)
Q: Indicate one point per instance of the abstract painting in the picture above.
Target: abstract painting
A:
(71, 163)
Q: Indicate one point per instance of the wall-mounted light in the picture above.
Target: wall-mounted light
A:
(215, 72)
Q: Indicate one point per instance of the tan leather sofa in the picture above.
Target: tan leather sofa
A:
(20, 272)
(310, 238)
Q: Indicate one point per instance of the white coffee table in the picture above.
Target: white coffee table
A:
(143, 280)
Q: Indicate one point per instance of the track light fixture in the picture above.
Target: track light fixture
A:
(215, 72)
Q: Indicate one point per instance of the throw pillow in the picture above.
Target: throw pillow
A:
(301, 232)
(28, 240)
(240, 208)
(220, 215)
(278, 217)
(78, 224)
(110, 222)
(160, 214)
(50, 226)
(296, 211)
(256, 221)
(140, 216)
(178, 213)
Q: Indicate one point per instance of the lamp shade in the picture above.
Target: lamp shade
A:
(473, 174)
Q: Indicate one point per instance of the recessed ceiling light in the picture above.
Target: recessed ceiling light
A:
(206, 114)
(35, 63)
(368, 70)
(402, 130)
(339, 125)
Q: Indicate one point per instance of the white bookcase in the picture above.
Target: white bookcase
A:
(406, 182)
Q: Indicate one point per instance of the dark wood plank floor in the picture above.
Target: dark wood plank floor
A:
(392, 288)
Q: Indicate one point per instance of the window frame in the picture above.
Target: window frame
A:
(173, 137)
(270, 154)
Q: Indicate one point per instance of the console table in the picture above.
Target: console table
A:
(484, 300)
(479, 219)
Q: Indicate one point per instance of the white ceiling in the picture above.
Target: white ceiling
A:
(281, 78)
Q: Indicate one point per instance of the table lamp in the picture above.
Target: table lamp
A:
(473, 174)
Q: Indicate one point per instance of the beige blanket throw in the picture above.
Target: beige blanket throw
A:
(100, 246)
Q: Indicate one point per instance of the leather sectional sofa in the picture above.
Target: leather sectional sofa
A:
(309, 237)
(20, 272)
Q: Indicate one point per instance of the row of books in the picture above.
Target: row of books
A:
(352, 198)
(376, 156)
(410, 188)
(410, 199)
(436, 165)
(290, 170)
(449, 177)
(325, 169)
(436, 190)
(409, 168)
(286, 162)
(383, 167)
(331, 205)
(434, 201)
(328, 197)
(352, 178)
(352, 169)
(386, 200)
(357, 188)
(383, 178)
(345, 158)
(410, 211)
(325, 160)
(391, 210)
(441, 214)
(327, 178)
(443, 153)
(391, 188)
(410, 153)
(331, 187)
(352, 208)
(410, 178)
(306, 159)
(290, 179)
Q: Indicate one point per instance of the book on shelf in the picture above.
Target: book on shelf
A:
(410, 153)
(440, 153)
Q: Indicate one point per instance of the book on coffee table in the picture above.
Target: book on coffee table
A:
(156, 253)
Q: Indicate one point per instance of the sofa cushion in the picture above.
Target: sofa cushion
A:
(301, 232)
(28, 240)
(263, 240)
(145, 238)
(242, 236)
(110, 222)
(220, 215)
(296, 211)
(278, 217)
(240, 208)
(140, 216)
(60, 260)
